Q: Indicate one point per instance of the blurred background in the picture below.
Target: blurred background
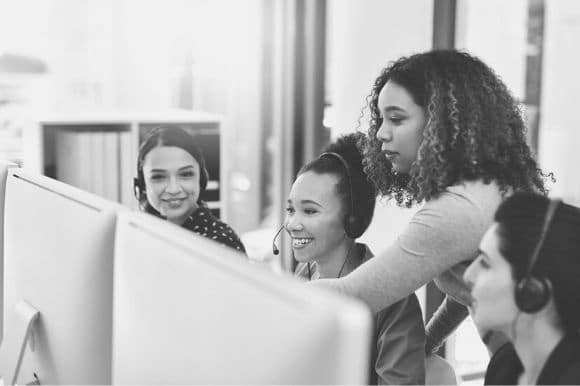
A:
(268, 82)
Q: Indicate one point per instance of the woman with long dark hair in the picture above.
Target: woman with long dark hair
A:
(525, 284)
(170, 183)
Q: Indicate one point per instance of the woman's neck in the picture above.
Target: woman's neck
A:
(338, 261)
(534, 346)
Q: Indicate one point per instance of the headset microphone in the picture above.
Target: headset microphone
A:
(275, 249)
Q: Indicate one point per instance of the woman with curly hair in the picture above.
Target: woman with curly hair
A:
(444, 131)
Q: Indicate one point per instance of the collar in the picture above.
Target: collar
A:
(197, 215)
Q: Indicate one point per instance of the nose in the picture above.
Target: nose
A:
(470, 274)
(172, 185)
(293, 223)
(385, 133)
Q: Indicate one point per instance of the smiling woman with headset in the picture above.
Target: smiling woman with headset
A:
(330, 205)
(171, 181)
(525, 283)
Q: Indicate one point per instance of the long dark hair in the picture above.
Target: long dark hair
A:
(168, 136)
(520, 219)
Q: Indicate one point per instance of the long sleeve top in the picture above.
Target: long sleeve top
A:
(444, 233)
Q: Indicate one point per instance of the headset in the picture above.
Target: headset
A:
(139, 182)
(352, 226)
(533, 293)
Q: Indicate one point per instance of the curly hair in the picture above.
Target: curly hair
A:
(362, 189)
(474, 129)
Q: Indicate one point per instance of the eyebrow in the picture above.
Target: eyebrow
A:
(164, 170)
(389, 109)
(303, 202)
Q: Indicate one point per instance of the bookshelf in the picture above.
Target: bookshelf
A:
(97, 151)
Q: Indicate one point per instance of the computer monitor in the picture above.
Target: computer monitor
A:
(190, 311)
(58, 260)
(4, 166)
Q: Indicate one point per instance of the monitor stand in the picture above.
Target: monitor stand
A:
(17, 339)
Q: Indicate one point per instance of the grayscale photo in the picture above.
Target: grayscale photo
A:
(289, 192)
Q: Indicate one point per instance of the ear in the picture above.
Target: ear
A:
(550, 311)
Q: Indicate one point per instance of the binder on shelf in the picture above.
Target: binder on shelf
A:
(97, 179)
(97, 151)
(64, 156)
(127, 169)
(110, 165)
(84, 168)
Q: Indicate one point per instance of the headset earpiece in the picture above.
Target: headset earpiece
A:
(533, 293)
(352, 226)
(203, 179)
(137, 189)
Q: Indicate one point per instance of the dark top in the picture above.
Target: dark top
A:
(561, 368)
(203, 222)
(444, 321)
(397, 352)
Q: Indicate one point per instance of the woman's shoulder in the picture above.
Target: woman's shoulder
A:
(477, 193)
(459, 207)
(563, 365)
(203, 222)
(204, 216)
(475, 200)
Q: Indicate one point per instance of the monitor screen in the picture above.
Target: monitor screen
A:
(190, 311)
(58, 259)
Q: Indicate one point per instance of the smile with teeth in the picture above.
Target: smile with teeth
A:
(299, 242)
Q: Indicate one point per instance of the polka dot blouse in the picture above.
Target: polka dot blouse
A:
(203, 222)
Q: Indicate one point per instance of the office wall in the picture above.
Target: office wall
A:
(559, 132)
(496, 31)
(363, 36)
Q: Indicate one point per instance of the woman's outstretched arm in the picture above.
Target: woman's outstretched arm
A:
(445, 232)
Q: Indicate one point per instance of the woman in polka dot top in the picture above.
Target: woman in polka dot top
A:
(171, 178)
(202, 221)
